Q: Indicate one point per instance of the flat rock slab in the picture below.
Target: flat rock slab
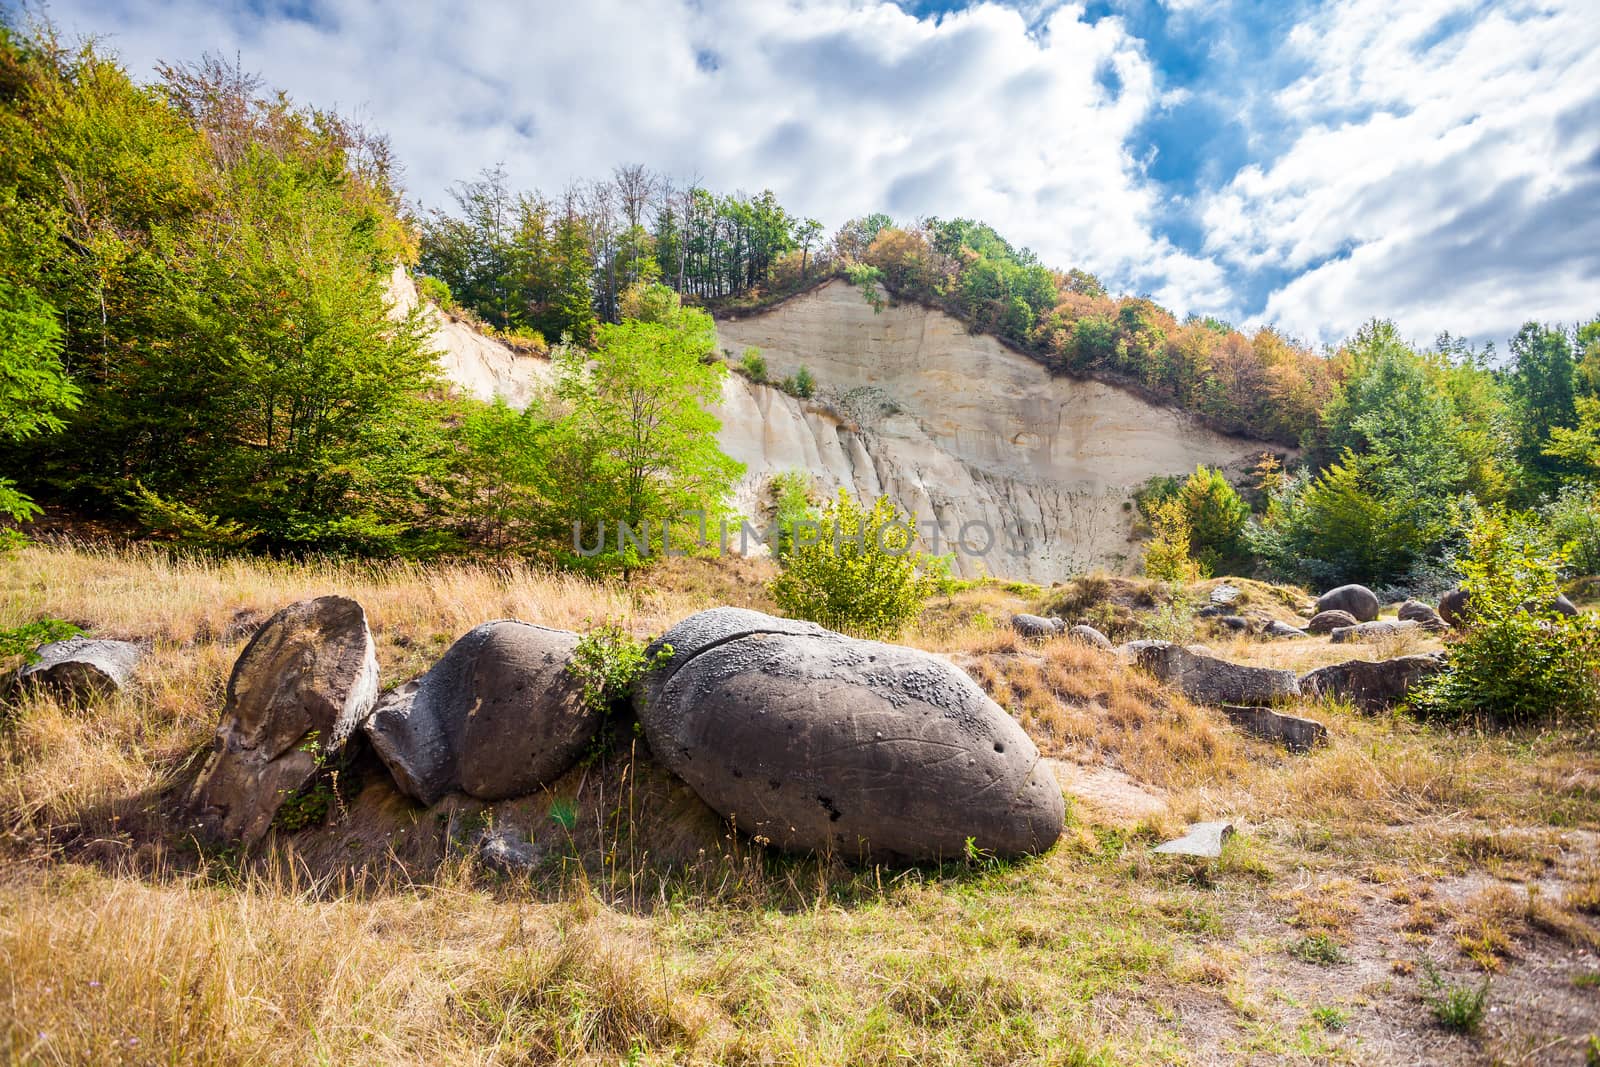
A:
(83, 667)
(1204, 839)
(1207, 680)
(1293, 732)
(1372, 631)
(810, 740)
(300, 688)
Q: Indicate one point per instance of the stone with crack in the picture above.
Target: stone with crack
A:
(301, 686)
(815, 741)
(498, 716)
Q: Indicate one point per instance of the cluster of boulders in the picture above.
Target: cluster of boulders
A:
(801, 737)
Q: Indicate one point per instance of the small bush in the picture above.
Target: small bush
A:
(606, 663)
(1519, 661)
(1457, 1007)
(857, 570)
(754, 364)
(1317, 948)
(1166, 555)
(436, 291)
(801, 384)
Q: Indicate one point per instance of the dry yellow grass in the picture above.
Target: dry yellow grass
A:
(655, 936)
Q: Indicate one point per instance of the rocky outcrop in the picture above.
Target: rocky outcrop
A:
(80, 668)
(1325, 622)
(1372, 631)
(303, 684)
(812, 740)
(498, 716)
(1372, 685)
(1207, 680)
(1088, 635)
(1293, 732)
(1037, 627)
(1358, 600)
(480, 366)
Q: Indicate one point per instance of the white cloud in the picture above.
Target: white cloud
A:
(1428, 184)
(840, 108)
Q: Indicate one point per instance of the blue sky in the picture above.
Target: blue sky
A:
(1309, 163)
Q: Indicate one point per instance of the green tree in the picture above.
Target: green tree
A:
(1543, 383)
(635, 439)
(858, 571)
(34, 387)
(1217, 518)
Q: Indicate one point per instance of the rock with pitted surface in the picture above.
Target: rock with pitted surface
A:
(1090, 636)
(1358, 600)
(812, 740)
(81, 667)
(1372, 685)
(1207, 680)
(303, 684)
(1372, 631)
(1037, 627)
(1325, 622)
(498, 716)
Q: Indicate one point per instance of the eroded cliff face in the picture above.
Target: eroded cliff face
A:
(1021, 474)
(959, 430)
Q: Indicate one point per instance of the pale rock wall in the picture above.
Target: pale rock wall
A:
(480, 366)
(972, 432)
(973, 435)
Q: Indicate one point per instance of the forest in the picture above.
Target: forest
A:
(198, 347)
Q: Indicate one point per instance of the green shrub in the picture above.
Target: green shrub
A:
(1572, 524)
(1519, 660)
(1457, 1007)
(801, 384)
(1166, 555)
(754, 364)
(1216, 519)
(857, 571)
(22, 642)
(606, 663)
(436, 291)
(792, 505)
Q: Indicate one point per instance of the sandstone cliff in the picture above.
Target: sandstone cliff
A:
(957, 429)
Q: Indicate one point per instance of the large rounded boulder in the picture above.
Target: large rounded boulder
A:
(1358, 600)
(1325, 622)
(301, 686)
(815, 741)
(498, 716)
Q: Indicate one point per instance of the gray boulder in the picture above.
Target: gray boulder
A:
(1372, 685)
(1325, 622)
(498, 716)
(1372, 631)
(80, 667)
(1237, 623)
(505, 852)
(812, 740)
(1037, 627)
(300, 688)
(1090, 636)
(1293, 732)
(1358, 600)
(1276, 628)
(1224, 595)
(1203, 839)
(1562, 606)
(1424, 616)
(1208, 680)
(1455, 606)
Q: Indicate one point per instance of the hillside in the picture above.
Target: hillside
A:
(953, 426)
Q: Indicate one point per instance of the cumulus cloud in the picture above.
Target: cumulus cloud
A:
(1445, 172)
(1435, 163)
(840, 108)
